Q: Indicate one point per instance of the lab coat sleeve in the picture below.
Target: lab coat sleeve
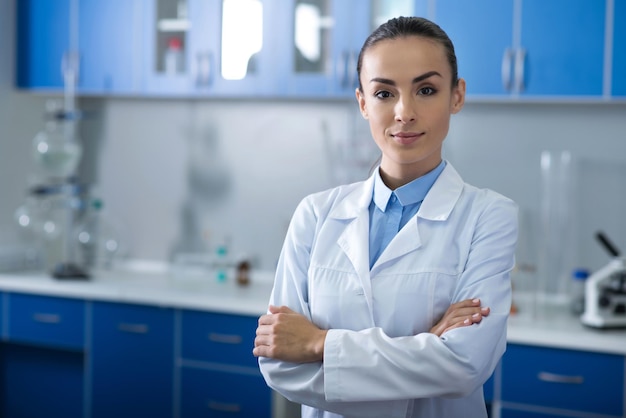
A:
(424, 366)
(304, 383)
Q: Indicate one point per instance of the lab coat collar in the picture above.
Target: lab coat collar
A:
(443, 196)
(437, 205)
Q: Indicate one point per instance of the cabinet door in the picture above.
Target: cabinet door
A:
(167, 70)
(564, 45)
(320, 46)
(42, 40)
(40, 382)
(46, 321)
(484, 47)
(223, 394)
(571, 380)
(132, 361)
(108, 46)
(618, 81)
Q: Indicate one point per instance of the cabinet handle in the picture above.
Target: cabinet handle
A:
(47, 318)
(351, 70)
(224, 407)
(204, 74)
(342, 65)
(520, 60)
(507, 58)
(225, 338)
(133, 328)
(560, 378)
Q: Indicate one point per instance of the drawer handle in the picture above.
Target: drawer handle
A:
(225, 338)
(224, 407)
(133, 328)
(560, 378)
(46, 318)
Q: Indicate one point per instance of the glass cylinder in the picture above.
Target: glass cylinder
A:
(557, 233)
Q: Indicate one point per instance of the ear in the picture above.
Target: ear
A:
(361, 100)
(458, 97)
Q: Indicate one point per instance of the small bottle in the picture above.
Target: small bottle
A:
(173, 57)
(577, 300)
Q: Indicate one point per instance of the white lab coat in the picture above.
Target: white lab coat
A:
(379, 358)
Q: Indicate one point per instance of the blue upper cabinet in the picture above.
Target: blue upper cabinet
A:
(320, 47)
(323, 39)
(209, 48)
(618, 87)
(108, 45)
(484, 51)
(528, 47)
(105, 42)
(563, 41)
(43, 39)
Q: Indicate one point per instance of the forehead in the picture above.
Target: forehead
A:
(410, 56)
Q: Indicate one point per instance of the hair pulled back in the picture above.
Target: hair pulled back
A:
(410, 26)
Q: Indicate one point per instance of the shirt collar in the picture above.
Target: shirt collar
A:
(411, 193)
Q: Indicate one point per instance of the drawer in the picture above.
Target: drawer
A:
(218, 394)
(564, 379)
(45, 320)
(218, 338)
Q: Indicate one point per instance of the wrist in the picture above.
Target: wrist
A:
(318, 347)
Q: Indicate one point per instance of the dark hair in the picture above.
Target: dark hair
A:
(410, 26)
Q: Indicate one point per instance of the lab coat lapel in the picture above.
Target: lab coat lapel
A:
(437, 206)
(354, 240)
(407, 240)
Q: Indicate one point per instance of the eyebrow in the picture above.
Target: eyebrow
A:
(415, 80)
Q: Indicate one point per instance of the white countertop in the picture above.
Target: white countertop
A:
(548, 324)
(152, 284)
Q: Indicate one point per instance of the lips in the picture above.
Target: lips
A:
(406, 138)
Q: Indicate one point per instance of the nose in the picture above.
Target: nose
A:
(405, 110)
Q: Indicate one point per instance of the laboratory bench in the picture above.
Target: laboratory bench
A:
(149, 340)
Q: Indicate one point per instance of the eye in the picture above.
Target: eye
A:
(382, 94)
(426, 91)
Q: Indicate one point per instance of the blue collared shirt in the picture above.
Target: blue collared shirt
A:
(391, 210)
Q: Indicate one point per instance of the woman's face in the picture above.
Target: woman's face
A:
(407, 99)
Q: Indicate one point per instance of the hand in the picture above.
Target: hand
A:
(460, 314)
(286, 335)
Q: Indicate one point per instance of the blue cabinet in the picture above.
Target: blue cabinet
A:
(46, 321)
(43, 39)
(106, 41)
(225, 48)
(618, 88)
(482, 50)
(542, 380)
(108, 46)
(219, 375)
(42, 357)
(528, 48)
(132, 361)
(322, 40)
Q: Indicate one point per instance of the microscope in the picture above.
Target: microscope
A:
(605, 291)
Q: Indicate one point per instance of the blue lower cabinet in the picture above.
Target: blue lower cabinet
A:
(546, 379)
(219, 338)
(132, 361)
(46, 321)
(40, 382)
(222, 394)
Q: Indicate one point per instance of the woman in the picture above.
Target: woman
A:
(375, 310)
